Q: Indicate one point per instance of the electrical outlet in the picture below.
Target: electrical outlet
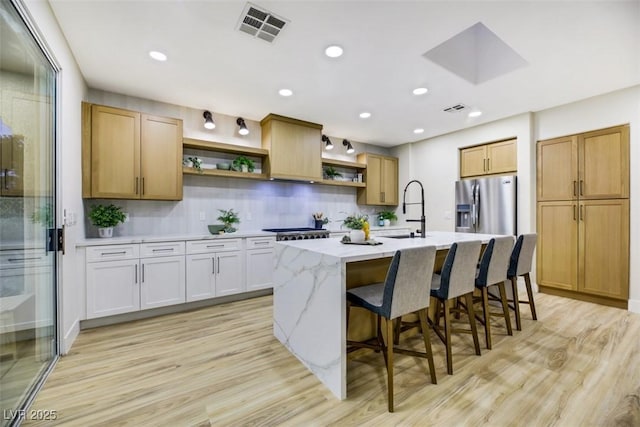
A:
(202, 216)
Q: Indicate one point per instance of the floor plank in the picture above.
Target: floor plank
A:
(576, 366)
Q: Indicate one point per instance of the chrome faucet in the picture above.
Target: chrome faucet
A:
(422, 220)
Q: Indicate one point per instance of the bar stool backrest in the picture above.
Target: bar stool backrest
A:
(408, 279)
(522, 255)
(459, 269)
(495, 261)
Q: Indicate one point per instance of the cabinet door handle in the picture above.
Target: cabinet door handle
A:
(142, 281)
(136, 273)
(382, 196)
(264, 242)
(113, 253)
(163, 250)
(213, 265)
(6, 179)
(218, 265)
(137, 185)
(574, 212)
(581, 212)
(575, 188)
(488, 165)
(215, 246)
(143, 185)
(581, 187)
(23, 259)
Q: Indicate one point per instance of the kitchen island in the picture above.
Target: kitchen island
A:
(309, 295)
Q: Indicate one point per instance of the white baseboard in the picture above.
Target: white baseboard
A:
(634, 306)
(70, 337)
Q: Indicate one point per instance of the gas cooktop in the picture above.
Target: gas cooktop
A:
(299, 233)
(291, 230)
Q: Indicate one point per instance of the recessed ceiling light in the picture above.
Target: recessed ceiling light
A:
(420, 91)
(475, 114)
(333, 51)
(285, 92)
(158, 56)
(365, 115)
(419, 130)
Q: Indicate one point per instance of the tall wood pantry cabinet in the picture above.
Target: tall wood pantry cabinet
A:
(381, 177)
(130, 155)
(583, 216)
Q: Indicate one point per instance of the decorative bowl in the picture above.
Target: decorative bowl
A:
(216, 228)
(223, 166)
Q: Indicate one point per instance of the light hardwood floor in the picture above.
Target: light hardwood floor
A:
(578, 365)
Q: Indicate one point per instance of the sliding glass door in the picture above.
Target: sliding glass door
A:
(27, 205)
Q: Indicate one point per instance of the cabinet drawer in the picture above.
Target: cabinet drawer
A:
(148, 250)
(217, 245)
(260, 242)
(112, 252)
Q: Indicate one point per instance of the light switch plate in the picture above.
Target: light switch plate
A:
(202, 216)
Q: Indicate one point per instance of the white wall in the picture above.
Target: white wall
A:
(71, 91)
(612, 109)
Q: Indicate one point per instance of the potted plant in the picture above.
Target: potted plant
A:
(244, 164)
(385, 217)
(105, 218)
(228, 218)
(193, 162)
(331, 173)
(359, 225)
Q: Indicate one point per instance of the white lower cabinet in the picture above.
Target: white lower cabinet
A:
(112, 277)
(162, 281)
(260, 262)
(118, 281)
(214, 268)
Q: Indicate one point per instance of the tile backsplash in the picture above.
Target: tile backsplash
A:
(260, 204)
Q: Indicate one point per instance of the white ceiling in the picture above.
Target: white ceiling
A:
(574, 50)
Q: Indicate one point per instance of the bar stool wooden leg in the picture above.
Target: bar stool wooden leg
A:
(447, 337)
(422, 314)
(516, 302)
(487, 316)
(505, 307)
(472, 321)
(532, 303)
(389, 358)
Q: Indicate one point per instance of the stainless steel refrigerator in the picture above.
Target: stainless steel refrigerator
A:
(487, 205)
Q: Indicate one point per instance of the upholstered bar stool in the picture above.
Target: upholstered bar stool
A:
(520, 265)
(493, 272)
(457, 279)
(404, 291)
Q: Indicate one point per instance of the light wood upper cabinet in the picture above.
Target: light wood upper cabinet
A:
(295, 148)
(489, 159)
(161, 173)
(381, 178)
(593, 165)
(129, 155)
(603, 159)
(557, 169)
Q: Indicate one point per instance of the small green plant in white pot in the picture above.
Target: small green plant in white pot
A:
(105, 217)
(228, 218)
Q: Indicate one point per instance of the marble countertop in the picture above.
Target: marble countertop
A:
(123, 240)
(349, 253)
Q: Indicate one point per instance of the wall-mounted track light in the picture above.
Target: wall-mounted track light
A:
(348, 145)
(208, 120)
(243, 127)
(328, 143)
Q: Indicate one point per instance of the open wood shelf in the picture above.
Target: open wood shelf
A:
(343, 163)
(223, 148)
(343, 183)
(225, 173)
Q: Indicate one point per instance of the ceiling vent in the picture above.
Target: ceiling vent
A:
(456, 108)
(259, 22)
